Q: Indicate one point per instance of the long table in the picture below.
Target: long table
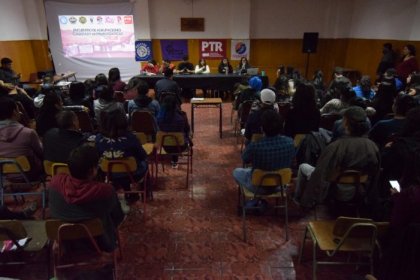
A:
(207, 81)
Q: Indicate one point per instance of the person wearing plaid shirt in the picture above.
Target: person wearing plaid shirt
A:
(272, 152)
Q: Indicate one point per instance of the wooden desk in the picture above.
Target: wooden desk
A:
(207, 103)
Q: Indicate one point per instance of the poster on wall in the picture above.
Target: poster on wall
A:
(143, 50)
(174, 49)
(238, 49)
(212, 49)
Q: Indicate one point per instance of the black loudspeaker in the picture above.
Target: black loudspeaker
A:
(310, 42)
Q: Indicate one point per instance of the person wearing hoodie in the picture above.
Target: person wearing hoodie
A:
(78, 196)
(142, 101)
(17, 140)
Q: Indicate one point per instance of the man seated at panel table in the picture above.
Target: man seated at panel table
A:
(9, 76)
(272, 152)
(185, 67)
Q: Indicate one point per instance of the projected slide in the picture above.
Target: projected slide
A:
(97, 35)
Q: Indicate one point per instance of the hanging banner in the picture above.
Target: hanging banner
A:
(143, 50)
(238, 49)
(212, 49)
(174, 49)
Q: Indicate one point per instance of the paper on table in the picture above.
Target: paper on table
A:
(197, 99)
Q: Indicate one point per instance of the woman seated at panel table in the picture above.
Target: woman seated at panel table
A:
(243, 65)
(151, 68)
(225, 67)
(202, 68)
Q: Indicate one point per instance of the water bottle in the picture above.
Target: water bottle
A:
(262, 73)
(227, 70)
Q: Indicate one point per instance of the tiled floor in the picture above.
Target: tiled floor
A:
(196, 233)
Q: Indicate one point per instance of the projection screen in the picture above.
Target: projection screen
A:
(92, 38)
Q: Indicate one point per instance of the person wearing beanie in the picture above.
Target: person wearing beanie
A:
(267, 102)
(250, 93)
(352, 152)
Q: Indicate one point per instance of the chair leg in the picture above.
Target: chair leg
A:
(314, 263)
(286, 218)
(302, 246)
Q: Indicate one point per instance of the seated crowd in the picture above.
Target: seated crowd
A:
(373, 129)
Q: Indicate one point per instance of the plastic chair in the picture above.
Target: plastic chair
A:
(60, 232)
(149, 148)
(144, 121)
(351, 178)
(175, 141)
(129, 167)
(266, 180)
(54, 168)
(163, 94)
(17, 167)
(351, 235)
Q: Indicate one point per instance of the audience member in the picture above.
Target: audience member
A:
(355, 152)
(337, 85)
(142, 101)
(19, 95)
(172, 119)
(384, 129)
(304, 116)
(79, 196)
(51, 105)
(364, 88)
(250, 93)
(105, 102)
(17, 140)
(274, 151)
(77, 97)
(167, 84)
(7, 74)
(59, 142)
(114, 80)
(335, 105)
(384, 98)
(253, 124)
(409, 63)
(387, 60)
(115, 142)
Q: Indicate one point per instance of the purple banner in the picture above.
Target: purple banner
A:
(174, 49)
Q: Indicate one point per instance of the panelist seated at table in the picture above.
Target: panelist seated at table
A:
(202, 67)
(243, 66)
(185, 67)
(166, 63)
(225, 67)
(151, 68)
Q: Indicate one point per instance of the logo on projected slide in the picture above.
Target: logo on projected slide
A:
(240, 48)
(99, 19)
(82, 20)
(128, 19)
(63, 20)
(73, 20)
(142, 50)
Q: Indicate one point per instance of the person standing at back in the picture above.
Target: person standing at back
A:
(387, 60)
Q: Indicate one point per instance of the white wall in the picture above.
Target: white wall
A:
(386, 19)
(240, 19)
(291, 18)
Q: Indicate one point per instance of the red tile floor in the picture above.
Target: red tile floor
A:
(196, 233)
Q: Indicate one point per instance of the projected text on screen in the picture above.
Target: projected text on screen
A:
(97, 35)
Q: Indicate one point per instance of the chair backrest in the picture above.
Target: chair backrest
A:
(12, 230)
(54, 168)
(351, 177)
(256, 137)
(170, 139)
(163, 94)
(121, 165)
(15, 165)
(143, 121)
(142, 137)
(85, 122)
(327, 121)
(343, 225)
(244, 110)
(274, 178)
(52, 228)
(298, 139)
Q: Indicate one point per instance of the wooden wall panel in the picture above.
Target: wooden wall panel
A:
(28, 56)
